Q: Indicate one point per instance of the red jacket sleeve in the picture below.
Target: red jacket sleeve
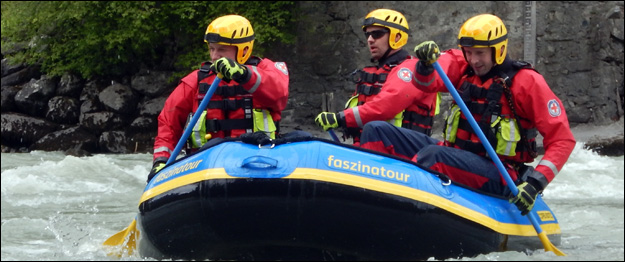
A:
(453, 63)
(173, 117)
(397, 93)
(269, 84)
(535, 100)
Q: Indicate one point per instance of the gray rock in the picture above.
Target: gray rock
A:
(114, 142)
(19, 130)
(74, 140)
(22, 76)
(118, 98)
(63, 110)
(153, 83)
(69, 85)
(33, 97)
(8, 98)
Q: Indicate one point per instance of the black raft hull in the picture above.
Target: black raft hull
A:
(311, 220)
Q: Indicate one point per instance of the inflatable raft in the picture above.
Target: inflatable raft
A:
(315, 199)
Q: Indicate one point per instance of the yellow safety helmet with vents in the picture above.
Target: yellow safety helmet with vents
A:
(232, 30)
(485, 30)
(392, 20)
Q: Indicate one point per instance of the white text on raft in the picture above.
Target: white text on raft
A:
(367, 169)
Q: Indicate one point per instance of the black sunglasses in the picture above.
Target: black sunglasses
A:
(376, 34)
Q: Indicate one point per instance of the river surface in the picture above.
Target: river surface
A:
(58, 207)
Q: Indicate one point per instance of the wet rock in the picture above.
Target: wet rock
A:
(74, 139)
(19, 130)
(612, 146)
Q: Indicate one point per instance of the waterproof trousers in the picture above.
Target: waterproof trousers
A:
(459, 165)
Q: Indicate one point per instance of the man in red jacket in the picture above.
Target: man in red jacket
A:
(384, 91)
(511, 103)
(251, 97)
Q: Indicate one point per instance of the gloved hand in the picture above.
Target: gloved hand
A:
(155, 169)
(427, 52)
(327, 120)
(526, 197)
(231, 70)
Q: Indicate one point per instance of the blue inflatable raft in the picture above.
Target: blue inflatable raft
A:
(314, 199)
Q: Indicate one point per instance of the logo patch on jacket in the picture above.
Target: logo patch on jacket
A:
(554, 108)
(404, 74)
(282, 67)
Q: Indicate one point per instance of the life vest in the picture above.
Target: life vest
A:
(369, 82)
(228, 100)
(492, 108)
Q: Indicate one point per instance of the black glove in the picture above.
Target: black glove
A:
(231, 70)
(155, 168)
(327, 120)
(526, 197)
(427, 52)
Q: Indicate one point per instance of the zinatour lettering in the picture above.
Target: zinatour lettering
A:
(178, 170)
(367, 169)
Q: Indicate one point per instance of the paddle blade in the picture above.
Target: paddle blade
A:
(548, 245)
(123, 242)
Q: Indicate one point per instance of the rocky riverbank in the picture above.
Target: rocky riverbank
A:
(605, 140)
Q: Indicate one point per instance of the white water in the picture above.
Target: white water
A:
(57, 207)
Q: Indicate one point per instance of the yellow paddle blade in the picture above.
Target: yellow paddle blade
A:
(548, 245)
(124, 242)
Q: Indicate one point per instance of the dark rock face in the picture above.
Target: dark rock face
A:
(18, 77)
(114, 142)
(151, 83)
(33, 97)
(118, 98)
(19, 130)
(74, 139)
(69, 85)
(578, 50)
(99, 122)
(612, 146)
(63, 110)
(8, 98)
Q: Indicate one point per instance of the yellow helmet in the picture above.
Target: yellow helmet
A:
(232, 30)
(392, 20)
(485, 30)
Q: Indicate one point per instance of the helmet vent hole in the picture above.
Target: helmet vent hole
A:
(234, 33)
(387, 18)
(401, 20)
(489, 35)
(247, 31)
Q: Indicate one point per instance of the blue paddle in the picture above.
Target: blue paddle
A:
(129, 235)
(196, 116)
(465, 110)
(333, 135)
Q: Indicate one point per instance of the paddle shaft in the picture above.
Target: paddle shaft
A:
(489, 148)
(333, 135)
(194, 120)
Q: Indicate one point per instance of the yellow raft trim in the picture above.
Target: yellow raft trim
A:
(370, 184)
